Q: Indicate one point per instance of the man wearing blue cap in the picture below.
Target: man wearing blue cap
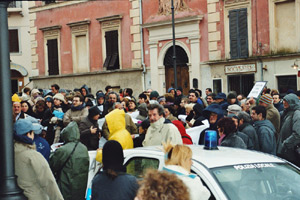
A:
(32, 170)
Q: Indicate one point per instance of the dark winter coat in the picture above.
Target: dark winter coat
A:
(123, 187)
(233, 140)
(279, 106)
(42, 146)
(290, 128)
(246, 140)
(91, 141)
(249, 130)
(73, 177)
(266, 136)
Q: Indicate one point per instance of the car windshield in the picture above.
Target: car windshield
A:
(259, 181)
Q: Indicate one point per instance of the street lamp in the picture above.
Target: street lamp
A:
(8, 181)
(174, 48)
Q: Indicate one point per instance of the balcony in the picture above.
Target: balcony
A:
(15, 7)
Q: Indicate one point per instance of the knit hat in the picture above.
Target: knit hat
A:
(15, 98)
(170, 89)
(161, 98)
(180, 88)
(266, 98)
(59, 96)
(49, 99)
(99, 95)
(23, 126)
(33, 91)
(231, 96)
(154, 94)
(93, 111)
(112, 156)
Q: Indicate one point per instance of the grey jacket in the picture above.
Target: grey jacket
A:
(249, 130)
(246, 140)
(232, 140)
(290, 128)
(266, 136)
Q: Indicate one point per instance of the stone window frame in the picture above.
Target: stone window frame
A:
(272, 21)
(52, 32)
(80, 28)
(111, 23)
(19, 40)
(234, 5)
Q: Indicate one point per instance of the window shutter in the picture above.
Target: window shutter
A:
(112, 50)
(243, 32)
(233, 32)
(13, 41)
(52, 57)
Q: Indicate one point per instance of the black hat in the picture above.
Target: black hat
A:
(112, 156)
(231, 96)
(93, 111)
(180, 88)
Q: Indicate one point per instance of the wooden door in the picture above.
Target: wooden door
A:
(182, 78)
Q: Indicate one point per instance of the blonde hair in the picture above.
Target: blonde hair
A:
(189, 106)
(178, 155)
(161, 185)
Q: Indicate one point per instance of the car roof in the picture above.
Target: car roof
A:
(224, 156)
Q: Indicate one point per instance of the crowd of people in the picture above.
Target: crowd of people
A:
(113, 121)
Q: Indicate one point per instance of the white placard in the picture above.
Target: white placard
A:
(257, 89)
(196, 131)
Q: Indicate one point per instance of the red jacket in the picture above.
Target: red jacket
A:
(186, 139)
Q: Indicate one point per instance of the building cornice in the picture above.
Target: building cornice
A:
(254, 58)
(87, 73)
(177, 21)
(79, 23)
(49, 28)
(109, 18)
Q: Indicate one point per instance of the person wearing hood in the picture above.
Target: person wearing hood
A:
(89, 129)
(186, 139)
(213, 113)
(77, 112)
(70, 163)
(35, 93)
(246, 127)
(228, 134)
(113, 183)
(143, 112)
(264, 129)
(32, 170)
(100, 97)
(290, 129)
(84, 90)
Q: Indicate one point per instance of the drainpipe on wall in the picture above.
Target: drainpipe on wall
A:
(261, 68)
(142, 45)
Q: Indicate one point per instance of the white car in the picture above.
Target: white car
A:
(229, 173)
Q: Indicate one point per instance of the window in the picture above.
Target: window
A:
(53, 68)
(80, 46)
(286, 82)
(49, 1)
(242, 84)
(217, 86)
(15, 4)
(14, 41)
(111, 41)
(238, 30)
(137, 166)
(112, 50)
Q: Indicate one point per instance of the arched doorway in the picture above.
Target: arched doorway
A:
(182, 69)
(17, 81)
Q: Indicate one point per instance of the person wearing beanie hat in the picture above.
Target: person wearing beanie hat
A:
(273, 115)
(231, 99)
(154, 95)
(113, 183)
(29, 163)
(59, 96)
(89, 129)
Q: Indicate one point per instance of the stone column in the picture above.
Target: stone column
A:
(135, 32)
(214, 35)
(194, 70)
(153, 65)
